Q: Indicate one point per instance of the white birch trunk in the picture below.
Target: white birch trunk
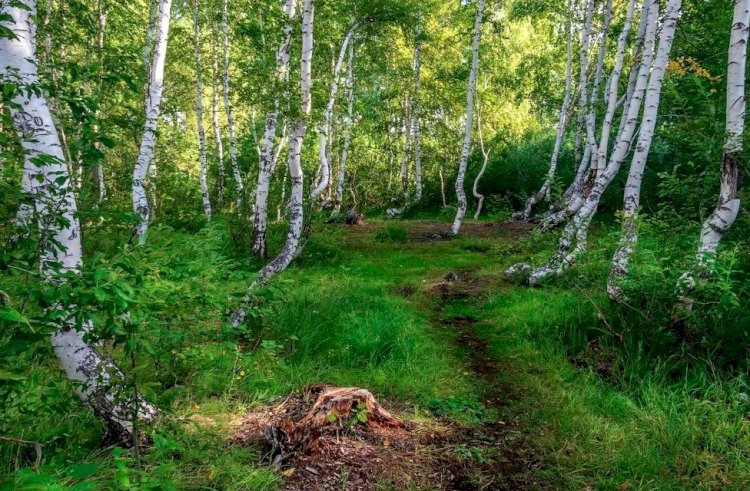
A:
(460, 192)
(576, 233)
(572, 201)
(544, 191)
(267, 160)
(442, 187)
(637, 51)
(415, 108)
(153, 106)
(486, 155)
(347, 134)
(228, 108)
(296, 205)
(291, 247)
(199, 111)
(148, 47)
(96, 378)
(614, 81)
(324, 130)
(728, 207)
(215, 121)
(632, 195)
(405, 165)
(97, 172)
(595, 167)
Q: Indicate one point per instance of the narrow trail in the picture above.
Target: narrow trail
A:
(505, 456)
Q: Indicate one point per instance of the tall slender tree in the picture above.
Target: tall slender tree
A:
(267, 161)
(469, 121)
(199, 111)
(347, 133)
(153, 109)
(728, 207)
(96, 378)
(562, 123)
(233, 156)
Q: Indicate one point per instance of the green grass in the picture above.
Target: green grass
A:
(352, 310)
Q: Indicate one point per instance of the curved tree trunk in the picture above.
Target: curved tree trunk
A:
(632, 196)
(153, 106)
(267, 160)
(460, 192)
(291, 247)
(728, 207)
(228, 108)
(486, 156)
(576, 232)
(96, 378)
(199, 112)
(572, 201)
(405, 164)
(325, 128)
(347, 134)
(561, 124)
(296, 222)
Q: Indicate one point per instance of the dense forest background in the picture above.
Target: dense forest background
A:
(632, 392)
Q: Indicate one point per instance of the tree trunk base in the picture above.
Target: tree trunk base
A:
(300, 421)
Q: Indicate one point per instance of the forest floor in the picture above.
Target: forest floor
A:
(501, 386)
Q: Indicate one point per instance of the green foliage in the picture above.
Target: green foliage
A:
(391, 233)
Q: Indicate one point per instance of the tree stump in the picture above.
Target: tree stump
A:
(298, 424)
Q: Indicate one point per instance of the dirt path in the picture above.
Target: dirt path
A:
(506, 458)
(495, 453)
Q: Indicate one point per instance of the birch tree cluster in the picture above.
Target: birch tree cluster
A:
(277, 118)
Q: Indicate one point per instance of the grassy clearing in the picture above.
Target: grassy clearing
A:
(354, 310)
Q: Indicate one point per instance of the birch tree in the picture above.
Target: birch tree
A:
(415, 108)
(215, 120)
(469, 121)
(325, 130)
(153, 107)
(267, 162)
(728, 206)
(228, 108)
(562, 123)
(632, 195)
(291, 247)
(95, 377)
(97, 171)
(347, 133)
(573, 241)
(486, 157)
(199, 112)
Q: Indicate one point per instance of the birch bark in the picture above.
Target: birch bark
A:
(486, 156)
(415, 108)
(199, 111)
(228, 108)
(727, 209)
(324, 130)
(96, 378)
(575, 233)
(561, 124)
(97, 171)
(215, 121)
(347, 134)
(153, 106)
(296, 206)
(632, 195)
(267, 160)
(460, 192)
